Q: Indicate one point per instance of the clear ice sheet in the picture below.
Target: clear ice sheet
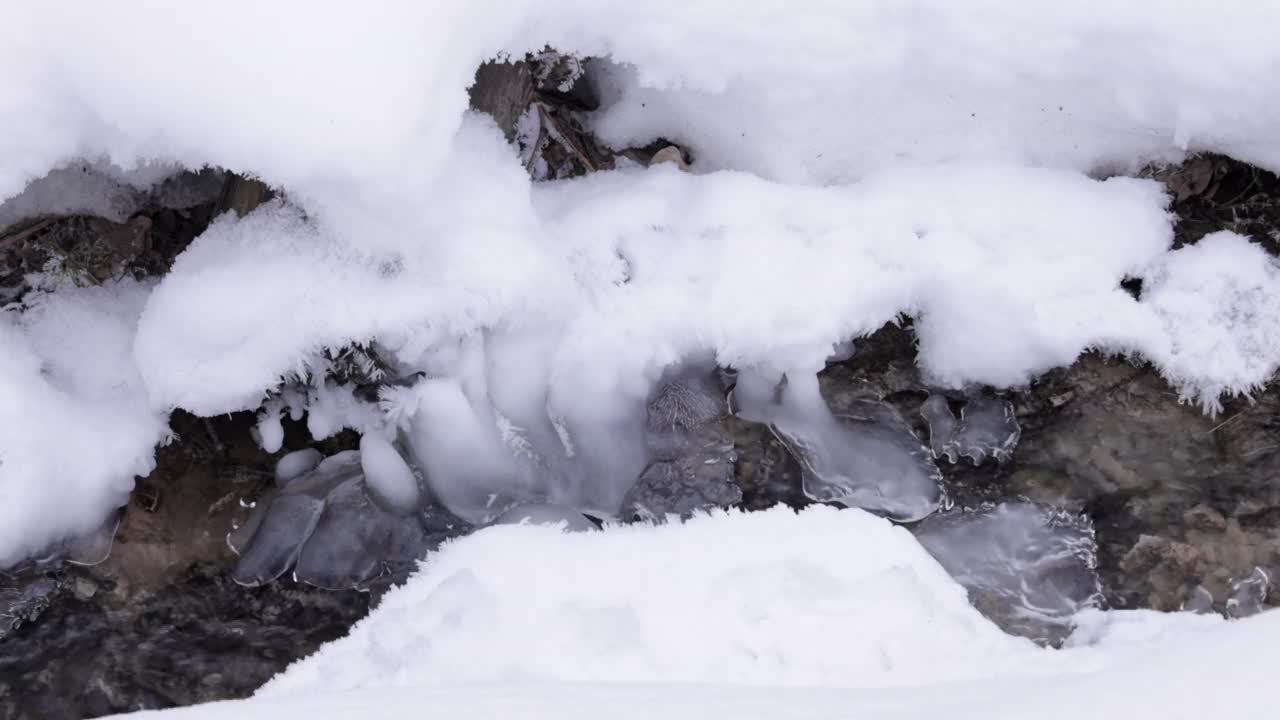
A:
(287, 523)
(354, 540)
(860, 453)
(986, 428)
(1249, 594)
(1028, 569)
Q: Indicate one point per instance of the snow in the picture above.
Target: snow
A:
(75, 433)
(826, 597)
(773, 615)
(851, 163)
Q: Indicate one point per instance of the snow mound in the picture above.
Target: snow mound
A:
(75, 432)
(829, 597)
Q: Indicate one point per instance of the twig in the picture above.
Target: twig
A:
(24, 234)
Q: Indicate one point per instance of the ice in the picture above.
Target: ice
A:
(270, 429)
(1028, 569)
(354, 539)
(1199, 601)
(285, 526)
(987, 428)
(545, 514)
(334, 530)
(392, 484)
(1249, 594)
(271, 539)
(296, 463)
(462, 460)
(859, 454)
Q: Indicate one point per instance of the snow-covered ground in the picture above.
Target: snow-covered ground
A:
(821, 614)
(853, 162)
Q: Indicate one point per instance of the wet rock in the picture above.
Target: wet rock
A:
(25, 593)
(199, 638)
(1179, 499)
(681, 488)
(1027, 568)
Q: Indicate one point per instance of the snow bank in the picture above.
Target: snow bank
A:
(854, 161)
(824, 597)
(770, 615)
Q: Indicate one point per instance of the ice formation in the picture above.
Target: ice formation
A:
(296, 463)
(1249, 594)
(390, 480)
(1029, 569)
(857, 162)
(858, 453)
(334, 530)
(986, 428)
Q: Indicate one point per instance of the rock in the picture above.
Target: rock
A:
(112, 654)
(681, 488)
(689, 447)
